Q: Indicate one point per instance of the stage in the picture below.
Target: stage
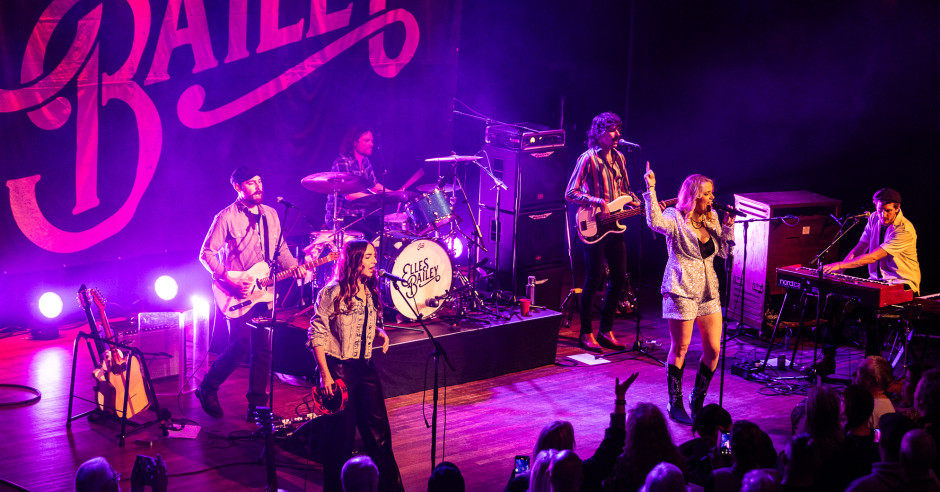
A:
(492, 408)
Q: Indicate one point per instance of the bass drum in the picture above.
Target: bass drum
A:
(424, 264)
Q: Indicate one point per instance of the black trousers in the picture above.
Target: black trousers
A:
(243, 340)
(365, 411)
(614, 250)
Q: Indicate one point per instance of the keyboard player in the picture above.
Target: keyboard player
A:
(888, 247)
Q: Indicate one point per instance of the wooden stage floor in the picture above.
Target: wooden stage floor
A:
(484, 424)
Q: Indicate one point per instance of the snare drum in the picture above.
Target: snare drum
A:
(398, 222)
(430, 211)
(427, 268)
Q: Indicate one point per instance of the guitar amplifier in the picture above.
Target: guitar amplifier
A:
(160, 338)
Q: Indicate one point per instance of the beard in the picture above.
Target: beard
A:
(254, 199)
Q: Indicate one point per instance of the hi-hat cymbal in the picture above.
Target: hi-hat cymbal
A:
(375, 201)
(454, 158)
(331, 182)
(428, 188)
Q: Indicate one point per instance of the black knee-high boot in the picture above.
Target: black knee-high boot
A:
(702, 379)
(675, 407)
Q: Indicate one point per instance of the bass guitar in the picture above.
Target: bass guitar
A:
(233, 303)
(119, 374)
(592, 227)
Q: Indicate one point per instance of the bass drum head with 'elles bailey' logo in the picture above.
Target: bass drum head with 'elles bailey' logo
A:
(429, 271)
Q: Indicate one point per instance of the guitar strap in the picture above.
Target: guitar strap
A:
(263, 235)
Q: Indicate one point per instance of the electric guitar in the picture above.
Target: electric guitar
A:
(592, 228)
(113, 377)
(234, 304)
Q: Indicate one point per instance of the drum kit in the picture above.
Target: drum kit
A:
(414, 242)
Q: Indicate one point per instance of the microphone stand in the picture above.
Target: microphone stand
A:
(436, 354)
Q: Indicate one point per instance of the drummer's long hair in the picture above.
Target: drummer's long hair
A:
(346, 275)
(352, 136)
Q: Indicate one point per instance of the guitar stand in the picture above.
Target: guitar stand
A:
(133, 353)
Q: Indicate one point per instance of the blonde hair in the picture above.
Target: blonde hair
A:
(690, 190)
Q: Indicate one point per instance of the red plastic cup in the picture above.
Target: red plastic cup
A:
(524, 305)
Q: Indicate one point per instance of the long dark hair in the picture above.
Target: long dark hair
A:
(648, 442)
(352, 136)
(346, 274)
(602, 124)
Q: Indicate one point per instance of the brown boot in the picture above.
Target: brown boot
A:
(589, 343)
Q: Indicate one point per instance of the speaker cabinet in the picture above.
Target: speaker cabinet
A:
(534, 180)
(160, 338)
(775, 243)
(526, 240)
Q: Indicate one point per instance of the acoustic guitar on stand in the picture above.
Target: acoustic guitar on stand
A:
(592, 227)
(234, 304)
(119, 373)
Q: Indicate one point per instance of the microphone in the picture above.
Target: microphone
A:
(863, 215)
(396, 278)
(624, 143)
(434, 301)
(286, 203)
(728, 209)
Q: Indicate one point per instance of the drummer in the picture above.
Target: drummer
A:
(353, 158)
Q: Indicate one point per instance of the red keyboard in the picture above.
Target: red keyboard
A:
(870, 292)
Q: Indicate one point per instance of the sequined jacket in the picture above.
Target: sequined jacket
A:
(687, 273)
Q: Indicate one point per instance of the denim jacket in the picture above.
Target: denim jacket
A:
(687, 273)
(340, 337)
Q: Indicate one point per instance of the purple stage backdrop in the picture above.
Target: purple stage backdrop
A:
(121, 121)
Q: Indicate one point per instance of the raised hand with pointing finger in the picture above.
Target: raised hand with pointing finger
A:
(650, 177)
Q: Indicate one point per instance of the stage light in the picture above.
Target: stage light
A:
(166, 287)
(50, 304)
(200, 307)
(456, 246)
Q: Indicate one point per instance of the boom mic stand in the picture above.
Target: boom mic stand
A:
(436, 354)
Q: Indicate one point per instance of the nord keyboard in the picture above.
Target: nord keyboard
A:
(871, 293)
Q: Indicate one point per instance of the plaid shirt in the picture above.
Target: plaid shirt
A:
(594, 183)
(348, 164)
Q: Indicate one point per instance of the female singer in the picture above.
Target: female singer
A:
(690, 291)
(341, 336)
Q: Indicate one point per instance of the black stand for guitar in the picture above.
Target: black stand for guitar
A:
(162, 414)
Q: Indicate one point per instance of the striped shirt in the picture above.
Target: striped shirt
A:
(595, 183)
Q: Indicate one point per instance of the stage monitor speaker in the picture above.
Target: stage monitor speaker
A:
(775, 244)
(160, 338)
(535, 180)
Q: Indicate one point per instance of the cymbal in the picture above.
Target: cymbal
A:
(331, 182)
(428, 188)
(454, 158)
(375, 201)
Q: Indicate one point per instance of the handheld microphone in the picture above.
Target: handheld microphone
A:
(629, 145)
(728, 209)
(863, 215)
(286, 203)
(396, 278)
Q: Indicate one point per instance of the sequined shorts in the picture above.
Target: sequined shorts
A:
(684, 308)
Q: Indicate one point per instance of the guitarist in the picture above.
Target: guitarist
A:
(600, 177)
(242, 234)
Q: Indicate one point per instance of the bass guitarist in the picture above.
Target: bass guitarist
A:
(243, 234)
(600, 177)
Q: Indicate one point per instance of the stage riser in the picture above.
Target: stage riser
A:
(476, 353)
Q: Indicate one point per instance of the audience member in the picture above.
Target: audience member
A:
(97, 475)
(886, 475)
(751, 449)
(565, 472)
(918, 455)
(538, 471)
(824, 425)
(560, 435)
(664, 477)
(800, 462)
(761, 480)
(446, 477)
(360, 474)
(927, 403)
(860, 448)
(874, 374)
(912, 375)
(698, 451)
(648, 443)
